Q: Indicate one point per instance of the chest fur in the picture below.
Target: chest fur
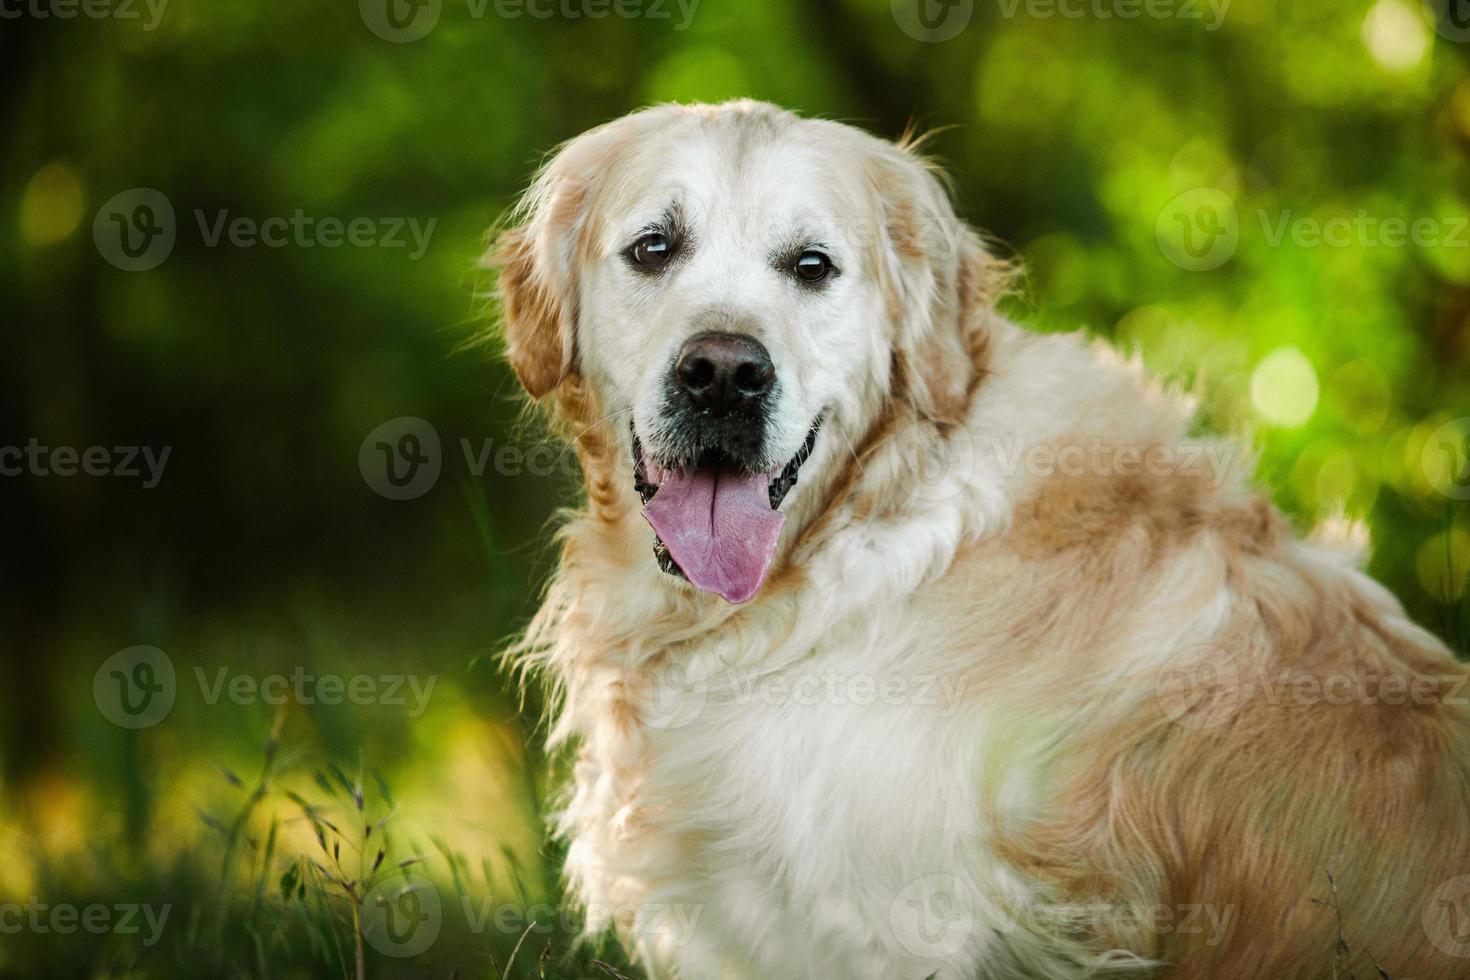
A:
(834, 804)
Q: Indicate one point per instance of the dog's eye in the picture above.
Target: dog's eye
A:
(811, 266)
(652, 251)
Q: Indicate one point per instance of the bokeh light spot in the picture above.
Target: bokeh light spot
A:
(1396, 35)
(1284, 387)
(51, 205)
(1443, 564)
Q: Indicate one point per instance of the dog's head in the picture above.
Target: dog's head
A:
(744, 293)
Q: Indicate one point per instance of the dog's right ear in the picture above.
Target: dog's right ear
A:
(539, 254)
(540, 336)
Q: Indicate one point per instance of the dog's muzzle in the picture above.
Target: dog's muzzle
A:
(716, 522)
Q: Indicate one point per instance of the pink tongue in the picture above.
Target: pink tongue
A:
(719, 527)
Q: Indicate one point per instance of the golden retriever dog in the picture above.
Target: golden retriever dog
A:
(894, 641)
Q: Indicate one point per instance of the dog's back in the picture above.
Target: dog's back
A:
(1267, 765)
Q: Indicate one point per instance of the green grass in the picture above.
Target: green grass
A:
(292, 879)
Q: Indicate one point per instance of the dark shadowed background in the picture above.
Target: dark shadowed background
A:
(244, 235)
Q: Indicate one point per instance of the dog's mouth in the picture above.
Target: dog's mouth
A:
(715, 522)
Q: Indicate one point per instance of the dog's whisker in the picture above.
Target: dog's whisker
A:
(851, 448)
(628, 412)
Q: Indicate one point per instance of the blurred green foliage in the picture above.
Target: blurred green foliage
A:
(1170, 180)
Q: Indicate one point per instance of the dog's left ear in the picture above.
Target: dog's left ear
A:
(537, 258)
(941, 285)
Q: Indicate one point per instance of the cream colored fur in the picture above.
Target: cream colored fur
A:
(995, 714)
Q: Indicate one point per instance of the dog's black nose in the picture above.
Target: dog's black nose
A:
(724, 372)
